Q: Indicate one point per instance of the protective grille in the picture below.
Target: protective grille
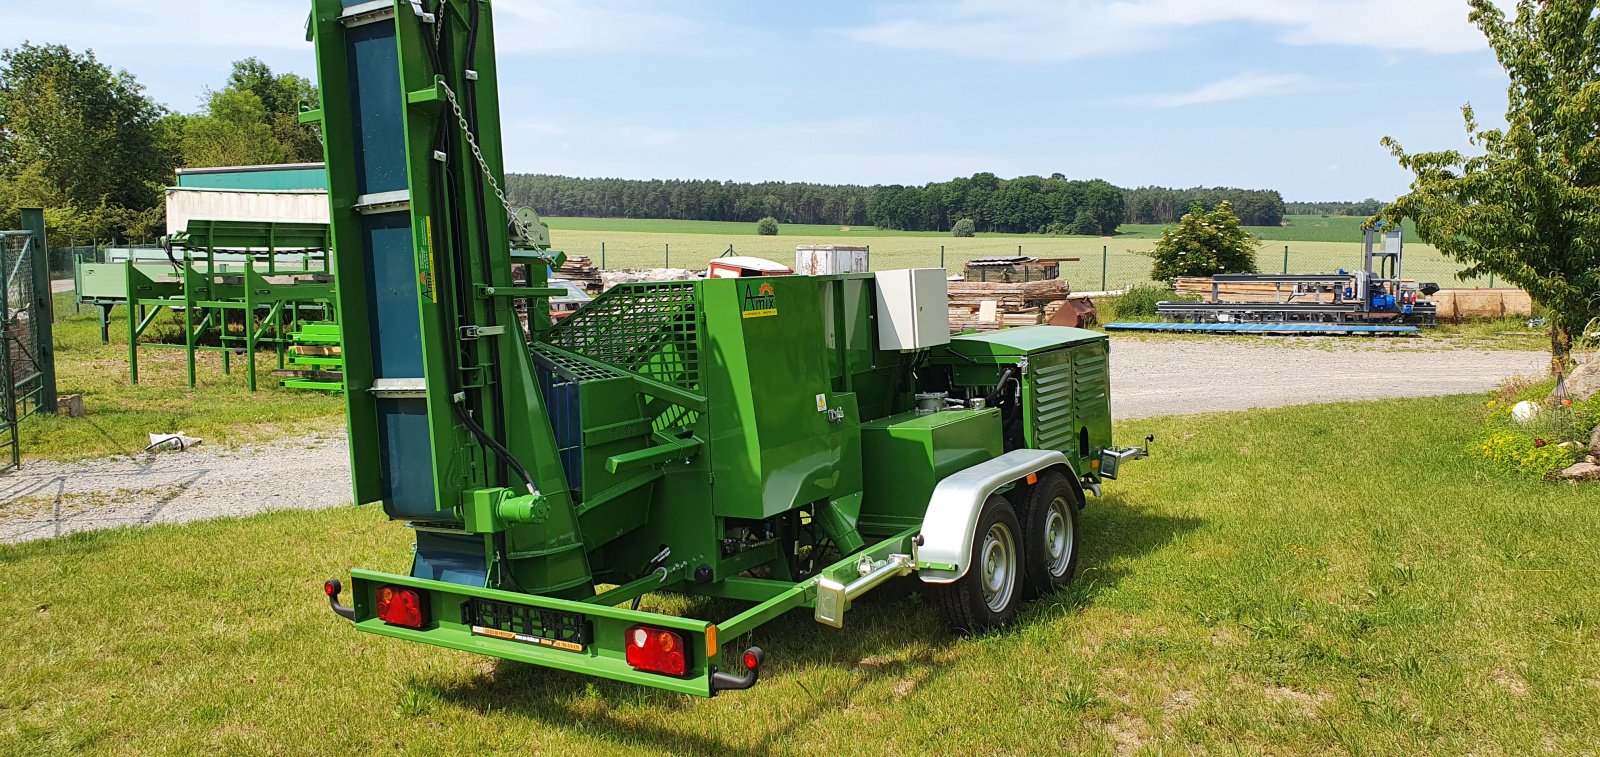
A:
(652, 329)
(1053, 407)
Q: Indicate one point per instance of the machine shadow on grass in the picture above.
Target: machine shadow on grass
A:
(892, 634)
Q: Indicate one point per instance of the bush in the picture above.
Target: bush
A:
(1204, 244)
(1140, 301)
(767, 227)
(964, 228)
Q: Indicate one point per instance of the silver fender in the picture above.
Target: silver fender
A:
(952, 517)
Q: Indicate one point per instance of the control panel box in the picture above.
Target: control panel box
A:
(913, 308)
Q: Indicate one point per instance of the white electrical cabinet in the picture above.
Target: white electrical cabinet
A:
(913, 308)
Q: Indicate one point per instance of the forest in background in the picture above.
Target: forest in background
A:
(1021, 205)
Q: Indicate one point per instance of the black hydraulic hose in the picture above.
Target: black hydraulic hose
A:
(447, 201)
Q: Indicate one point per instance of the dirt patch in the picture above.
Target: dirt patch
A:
(1126, 734)
(1310, 704)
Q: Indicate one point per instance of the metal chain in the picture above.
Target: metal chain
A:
(483, 165)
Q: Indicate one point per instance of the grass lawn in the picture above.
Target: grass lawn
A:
(121, 415)
(1334, 578)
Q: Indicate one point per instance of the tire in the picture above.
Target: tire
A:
(1050, 534)
(992, 589)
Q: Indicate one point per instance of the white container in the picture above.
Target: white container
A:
(298, 205)
(823, 260)
(913, 308)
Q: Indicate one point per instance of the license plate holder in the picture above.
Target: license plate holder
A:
(554, 629)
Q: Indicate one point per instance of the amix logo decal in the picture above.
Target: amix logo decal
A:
(757, 300)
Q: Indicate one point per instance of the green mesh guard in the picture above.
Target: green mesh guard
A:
(652, 329)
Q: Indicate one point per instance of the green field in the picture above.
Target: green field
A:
(1270, 582)
(635, 243)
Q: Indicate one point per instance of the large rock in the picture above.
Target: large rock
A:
(1594, 442)
(1584, 382)
(1581, 472)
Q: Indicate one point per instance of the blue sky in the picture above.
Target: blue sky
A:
(1283, 94)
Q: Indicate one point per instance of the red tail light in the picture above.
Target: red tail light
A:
(656, 650)
(400, 606)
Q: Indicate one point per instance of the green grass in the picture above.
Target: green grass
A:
(121, 415)
(644, 243)
(1272, 581)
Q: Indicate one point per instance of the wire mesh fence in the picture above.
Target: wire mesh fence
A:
(1088, 264)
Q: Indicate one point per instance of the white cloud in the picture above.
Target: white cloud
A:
(1241, 87)
(1045, 31)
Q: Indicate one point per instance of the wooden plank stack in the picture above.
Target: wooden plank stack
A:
(579, 270)
(1241, 291)
(1024, 303)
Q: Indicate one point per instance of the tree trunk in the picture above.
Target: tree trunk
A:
(1560, 349)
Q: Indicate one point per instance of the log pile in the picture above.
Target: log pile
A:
(987, 305)
(1490, 304)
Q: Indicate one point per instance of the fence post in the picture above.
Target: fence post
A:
(941, 256)
(44, 310)
(1491, 279)
(1105, 266)
(1286, 260)
(669, 255)
(602, 256)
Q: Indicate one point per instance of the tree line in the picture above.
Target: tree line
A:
(690, 200)
(1364, 208)
(88, 145)
(1021, 205)
(1254, 207)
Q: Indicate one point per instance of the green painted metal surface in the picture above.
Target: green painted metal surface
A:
(905, 456)
(1020, 341)
(289, 177)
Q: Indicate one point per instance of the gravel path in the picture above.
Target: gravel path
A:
(1150, 377)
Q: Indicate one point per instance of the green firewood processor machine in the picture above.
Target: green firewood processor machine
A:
(787, 442)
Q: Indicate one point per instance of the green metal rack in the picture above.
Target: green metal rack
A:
(233, 307)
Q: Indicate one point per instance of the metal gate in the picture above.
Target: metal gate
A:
(27, 359)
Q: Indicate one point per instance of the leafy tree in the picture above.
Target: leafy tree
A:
(75, 134)
(281, 96)
(1204, 244)
(767, 227)
(1085, 224)
(233, 132)
(1526, 209)
(964, 228)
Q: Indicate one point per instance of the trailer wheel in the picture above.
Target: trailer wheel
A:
(1050, 534)
(988, 595)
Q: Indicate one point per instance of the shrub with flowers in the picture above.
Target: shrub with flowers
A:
(1553, 439)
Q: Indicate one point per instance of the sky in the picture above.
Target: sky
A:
(1292, 95)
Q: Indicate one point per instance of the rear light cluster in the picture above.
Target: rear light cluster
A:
(656, 650)
(400, 606)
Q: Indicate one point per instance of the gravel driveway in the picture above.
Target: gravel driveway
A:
(1150, 377)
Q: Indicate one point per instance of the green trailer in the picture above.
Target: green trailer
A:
(789, 442)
